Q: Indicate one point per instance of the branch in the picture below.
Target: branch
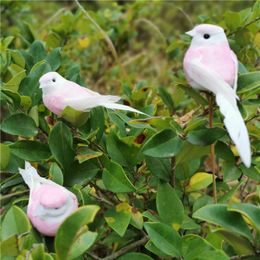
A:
(126, 249)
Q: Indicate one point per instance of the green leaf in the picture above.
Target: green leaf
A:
(198, 181)
(240, 244)
(155, 250)
(54, 59)
(218, 214)
(205, 136)
(126, 154)
(82, 173)
(83, 243)
(61, 142)
(9, 246)
(84, 154)
(118, 219)
(37, 51)
(18, 58)
(160, 167)
(166, 98)
(68, 234)
(163, 144)
(189, 152)
(249, 211)
(247, 82)
(14, 82)
(30, 150)
(76, 118)
(56, 173)
(15, 223)
(232, 20)
(195, 247)
(169, 206)
(19, 124)
(4, 156)
(134, 256)
(115, 179)
(164, 237)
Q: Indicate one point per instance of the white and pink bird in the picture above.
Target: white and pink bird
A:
(58, 93)
(49, 203)
(210, 64)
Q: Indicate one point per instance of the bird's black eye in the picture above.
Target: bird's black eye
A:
(206, 36)
(53, 80)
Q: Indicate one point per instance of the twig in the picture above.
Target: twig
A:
(246, 25)
(212, 149)
(13, 194)
(186, 16)
(126, 249)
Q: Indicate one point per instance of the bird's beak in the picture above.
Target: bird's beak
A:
(190, 33)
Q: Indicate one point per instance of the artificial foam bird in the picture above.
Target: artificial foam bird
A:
(209, 64)
(59, 93)
(49, 203)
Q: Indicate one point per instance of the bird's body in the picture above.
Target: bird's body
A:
(49, 203)
(59, 93)
(209, 64)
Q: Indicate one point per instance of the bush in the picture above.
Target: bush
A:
(144, 184)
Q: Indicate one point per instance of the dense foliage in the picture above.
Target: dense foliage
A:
(144, 184)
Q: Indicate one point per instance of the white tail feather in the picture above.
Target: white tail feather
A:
(236, 128)
(121, 107)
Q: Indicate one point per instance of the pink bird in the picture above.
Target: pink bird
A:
(49, 203)
(210, 64)
(59, 93)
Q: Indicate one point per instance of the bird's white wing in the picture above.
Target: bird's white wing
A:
(234, 58)
(86, 103)
(210, 80)
(226, 100)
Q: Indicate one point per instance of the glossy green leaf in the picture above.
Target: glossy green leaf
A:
(9, 246)
(198, 181)
(248, 82)
(4, 156)
(155, 250)
(240, 244)
(249, 211)
(60, 142)
(195, 247)
(68, 235)
(164, 237)
(19, 124)
(56, 173)
(115, 179)
(160, 167)
(205, 136)
(166, 98)
(218, 214)
(30, 150)
(84, 154)
(15, 223)
(118, 219)
(163, 144)
(169, 206)
(76, 118)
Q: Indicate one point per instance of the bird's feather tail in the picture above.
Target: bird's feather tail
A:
(120, 107)
(30, 175)
(236, 128)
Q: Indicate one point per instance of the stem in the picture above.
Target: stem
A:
(212, 150)
(126, 249)
(13, 194)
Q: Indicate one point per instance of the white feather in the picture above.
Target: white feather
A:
(226, 100)
(121, 107)
(236, 128)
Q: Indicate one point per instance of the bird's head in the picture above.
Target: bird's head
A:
(51, 81)
(206, 35)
